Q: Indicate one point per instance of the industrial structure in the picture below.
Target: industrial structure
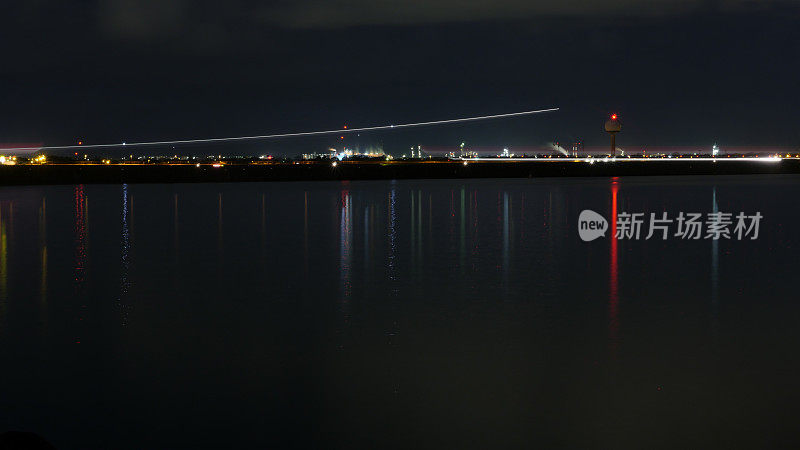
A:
(613, 127)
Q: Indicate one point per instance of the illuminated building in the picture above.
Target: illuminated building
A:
(577, 148)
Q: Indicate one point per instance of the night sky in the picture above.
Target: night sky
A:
(114, 70)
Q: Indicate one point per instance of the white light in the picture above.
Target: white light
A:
(305, 133)
(771, 159)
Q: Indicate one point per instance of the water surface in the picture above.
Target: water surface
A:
(396, 314)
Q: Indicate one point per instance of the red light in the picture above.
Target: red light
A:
(80, 142)
(345, 127)
(613, 117)
(341, 137)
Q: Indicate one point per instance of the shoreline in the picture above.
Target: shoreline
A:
(51, 174)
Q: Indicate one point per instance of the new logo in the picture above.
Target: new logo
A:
(591, 225)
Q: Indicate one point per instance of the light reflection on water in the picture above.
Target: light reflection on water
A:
(461, 313)
(43, 258)
(124, 283)
(81, 230)
(4, 229)
(613, 295)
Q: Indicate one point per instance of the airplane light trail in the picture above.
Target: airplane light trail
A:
(284, 135)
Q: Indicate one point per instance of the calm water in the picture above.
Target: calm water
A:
(396, 314)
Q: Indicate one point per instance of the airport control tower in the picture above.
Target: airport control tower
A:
(613, 127)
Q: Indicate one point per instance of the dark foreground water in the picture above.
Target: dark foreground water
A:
(407, 314)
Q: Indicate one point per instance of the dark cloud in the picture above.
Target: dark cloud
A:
(338, 13)
(134, 19)
(158, 19)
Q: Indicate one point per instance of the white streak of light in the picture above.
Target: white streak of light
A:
(285, 135)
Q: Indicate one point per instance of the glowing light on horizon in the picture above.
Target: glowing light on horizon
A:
(623, 159)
